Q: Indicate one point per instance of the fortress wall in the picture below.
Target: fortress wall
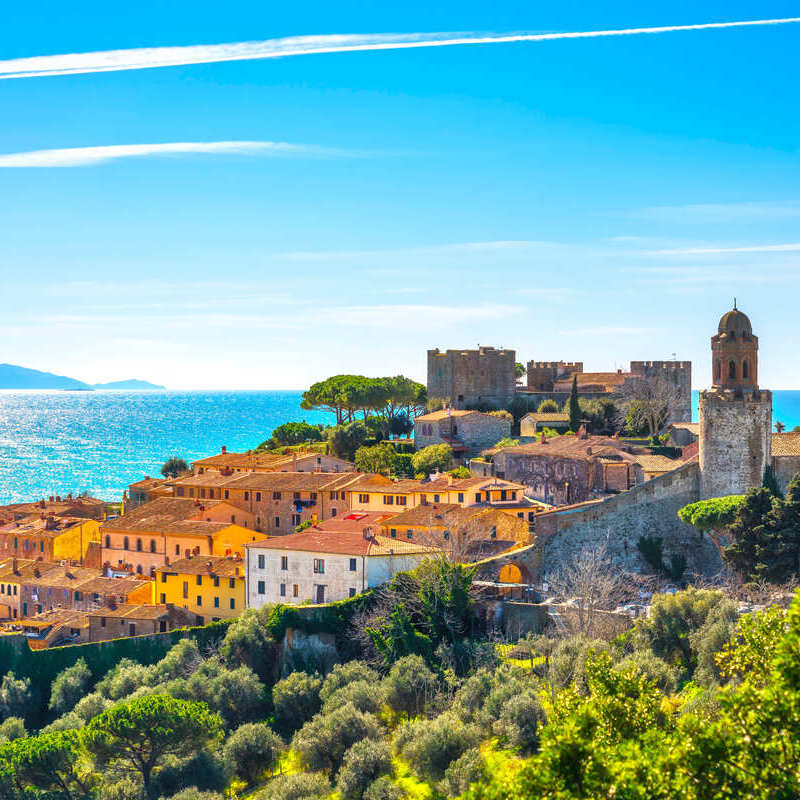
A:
(650, 509)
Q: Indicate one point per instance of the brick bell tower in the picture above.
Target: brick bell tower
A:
(735, 415)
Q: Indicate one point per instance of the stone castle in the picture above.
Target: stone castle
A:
(736, 444)
(486, 377)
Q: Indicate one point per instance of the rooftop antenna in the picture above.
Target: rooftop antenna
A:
(734, 304)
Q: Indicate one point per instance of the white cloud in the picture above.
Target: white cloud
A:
(606, 331)
(421, 316)
(719, 212)
(149, 57)
(454, 247)
(88, 156)
(695, 251)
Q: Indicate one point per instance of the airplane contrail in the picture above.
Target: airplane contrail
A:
(151, 57)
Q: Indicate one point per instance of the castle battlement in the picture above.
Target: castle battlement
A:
(677, 366)
(569, 365)
(734, 396)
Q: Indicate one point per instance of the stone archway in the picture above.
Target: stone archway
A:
(514, 572)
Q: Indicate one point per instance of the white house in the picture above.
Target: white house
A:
(324, 567)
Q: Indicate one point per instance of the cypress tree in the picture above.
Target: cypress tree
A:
(771, 482)
(574, 406)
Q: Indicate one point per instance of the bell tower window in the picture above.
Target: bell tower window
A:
(745, 369)
(732, 370)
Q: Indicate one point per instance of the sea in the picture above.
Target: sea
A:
(53, 443)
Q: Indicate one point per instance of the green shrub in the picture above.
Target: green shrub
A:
(302, 786)
(295, 700)
(520, 719)
(364, 695)
(467, 769)
(322, 742)
(364, 762)
(383, 789)
(69, 687)
(343, 674)
(252, 749)
(409, 684)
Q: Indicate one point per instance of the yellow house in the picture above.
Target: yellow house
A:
(49, 537)
(210, 587)
(377, 494)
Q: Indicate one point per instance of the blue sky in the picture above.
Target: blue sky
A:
(595, 199)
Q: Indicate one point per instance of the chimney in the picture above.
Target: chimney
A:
(368, 535)
(224, 449)
(37, 572)
(294, 461)
(450, 479)
(542, 438)
(582, 434)
(588, 451)
(209, 568)
(14, 565)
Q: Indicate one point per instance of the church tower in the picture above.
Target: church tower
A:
(735, 415)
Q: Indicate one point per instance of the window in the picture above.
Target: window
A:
(139, 569)
(296, 495)
(493, 532)
(258, 497)
(333, 512)
(199, 601)
(216, 602)
(313, 495)
(446, 535)
(125, 544)
(409, 534)
(351, 592)
(261, 561)
(283, 590)
(108, 541)
(191, 492)
(180, 491)
(388, 500)
(216, 580)
(227, 494)
(163, 577)
(393, 533)
(503, 494)
(295, 519)
(233, 603)
(295, 590)
(186, 588)
(521, 514)
(277, 522)
(15, 542)
(202, 492)
(461, 497)
(102, 622)
(717, 370)
(177, 549)
(132, 629)
(333, 496)
(262, 587)
(276, 495)
(363, 498)
(198, 579)
(745, 369)
(352, 565)
(477, 497)
(402, 500)
(284, 562)
(231, 584)
(138, 545)
(247, 496)
(319, 565)
(233, 518)
(732, 370)
(152, 545)
(162, 598)
(211, 494)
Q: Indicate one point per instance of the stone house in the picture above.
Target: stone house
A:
(531, 424)
(208, 587)
(570, 469)
(136, 620)
(276, 502)
(169, 528)
(325, 567)
(785, 456)
(290, 461)
(49, 537)
(467, 432)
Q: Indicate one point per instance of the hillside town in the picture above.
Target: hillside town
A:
(515, 478)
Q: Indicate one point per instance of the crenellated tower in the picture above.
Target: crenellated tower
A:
(735, 415)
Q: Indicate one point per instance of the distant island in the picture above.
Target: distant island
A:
(16, 377)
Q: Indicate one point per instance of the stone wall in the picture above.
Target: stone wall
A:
(470, 378)
(786, 467)
(679, 373)
(735, 440)
(650, 509)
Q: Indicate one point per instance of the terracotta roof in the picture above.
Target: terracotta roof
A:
(439, 486)
(554, 416)
(786, 444)
(54, 616)
(263, 461)
(272, 481)
(355, 521)
(693, 427)
(128, 611)
(35, 525)
(447, 414)
(219, 566)
(575, 447)
(353, 544)
(658, 463)
(25, 569)
(112, 587)
(600, 378)
(177, 515)
(147, 483)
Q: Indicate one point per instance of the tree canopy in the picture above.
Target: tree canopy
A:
(173, 467)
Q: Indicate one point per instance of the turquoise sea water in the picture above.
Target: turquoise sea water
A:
(59, 442)
(99, 442)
